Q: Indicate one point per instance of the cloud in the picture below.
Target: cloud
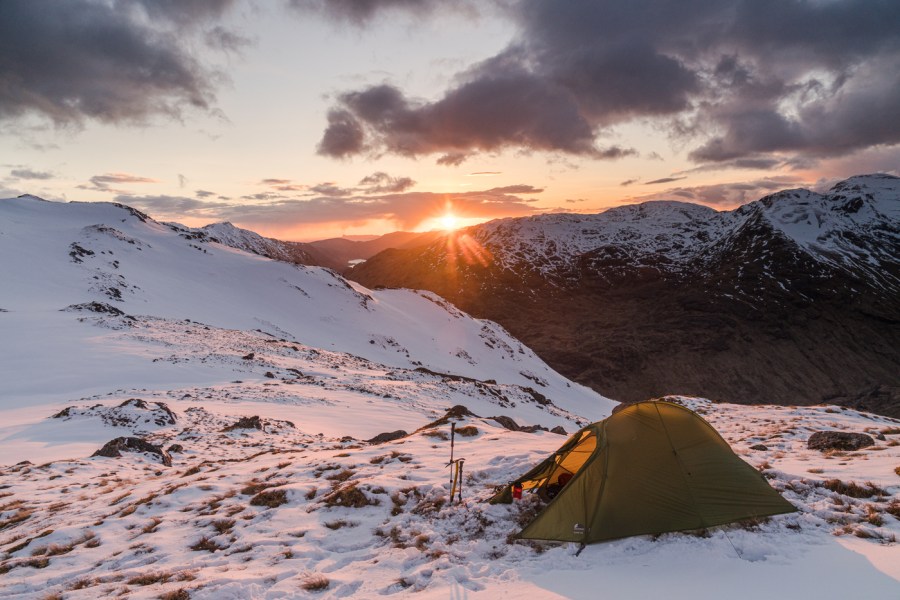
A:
(204, 194)
(628, 182)
(168, 206)
(30, 174)
(746, 83)
(663, 180)
(104, 183)
(516, 189)
(381, 182)
(727, 195)
(406, 209)
(122, 61)
(330, 190)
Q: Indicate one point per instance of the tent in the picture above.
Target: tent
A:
(651, 467)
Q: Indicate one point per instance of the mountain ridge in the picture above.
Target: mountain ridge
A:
(753, 304)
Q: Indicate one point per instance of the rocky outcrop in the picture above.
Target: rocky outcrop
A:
(115, 448)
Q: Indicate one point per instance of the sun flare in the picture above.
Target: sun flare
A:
(449, 222)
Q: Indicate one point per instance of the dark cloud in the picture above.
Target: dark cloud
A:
(113, 62)
(204, 194)
(360, 12)
(380, 182)
(749, 83)
(664, 180)
(275, 182)
(628, 182)
(30, 174)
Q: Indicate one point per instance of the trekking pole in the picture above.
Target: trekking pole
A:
(450, 464)
(459, 464)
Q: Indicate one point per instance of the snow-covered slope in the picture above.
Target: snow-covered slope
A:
(283, 513)
(54, 256)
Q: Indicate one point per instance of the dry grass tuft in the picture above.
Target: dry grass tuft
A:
(348, 496)
(223, 525)
(341, 476)
(270, 499)
(315, 583)
(179, 594)
(467, 431)
(204, 543)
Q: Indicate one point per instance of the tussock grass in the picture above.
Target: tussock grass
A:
(853, 489)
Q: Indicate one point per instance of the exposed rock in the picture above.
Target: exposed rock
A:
(248, 356)
(253, 422)
(269, 375)
(175, 448)
(839, 440)
(506, 422)
(97, 307)
(559, 430)
(759, 447)
(390, 436)
(114, 449)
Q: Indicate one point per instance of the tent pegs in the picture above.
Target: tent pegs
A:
(580, 548)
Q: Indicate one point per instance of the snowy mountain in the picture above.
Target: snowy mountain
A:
(117, 285)
(750, 305)
(252, 385)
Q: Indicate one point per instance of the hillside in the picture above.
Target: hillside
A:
(790, 299)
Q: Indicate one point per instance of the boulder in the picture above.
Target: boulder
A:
(839, 440)
(115, 448)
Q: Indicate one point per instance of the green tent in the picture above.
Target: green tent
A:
(651, 467)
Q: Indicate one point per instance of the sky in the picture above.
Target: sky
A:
(309, 119)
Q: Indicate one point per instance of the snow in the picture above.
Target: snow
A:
(217, 334)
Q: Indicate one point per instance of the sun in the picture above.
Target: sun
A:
(449, 222)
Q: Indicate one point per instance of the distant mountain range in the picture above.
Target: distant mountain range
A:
(792, 299)
(336, 253)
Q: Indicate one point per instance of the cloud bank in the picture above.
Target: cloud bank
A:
(745, 82)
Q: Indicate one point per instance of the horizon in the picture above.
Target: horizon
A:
(308, 120)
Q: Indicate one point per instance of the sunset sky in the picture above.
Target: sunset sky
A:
(306, 119)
